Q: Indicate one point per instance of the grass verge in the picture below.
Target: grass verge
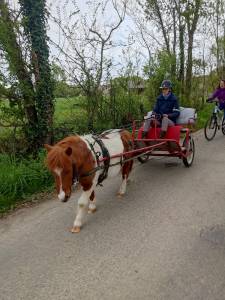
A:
(19, 179)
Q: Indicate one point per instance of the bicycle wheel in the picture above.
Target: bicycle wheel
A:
(190, 149)
(223, 126)
(210, 128)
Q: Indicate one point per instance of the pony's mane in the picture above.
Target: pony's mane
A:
(57, 157)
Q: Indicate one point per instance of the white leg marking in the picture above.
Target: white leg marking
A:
(82, 208)
(61, 194)
(123, 187)
(92, 206)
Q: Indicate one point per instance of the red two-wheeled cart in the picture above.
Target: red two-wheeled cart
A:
(178, 142)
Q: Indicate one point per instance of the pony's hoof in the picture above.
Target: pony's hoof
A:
(92, 210)
(75, 229)
(120, 195)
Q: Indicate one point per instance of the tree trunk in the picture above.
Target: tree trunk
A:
(34, 12)
(17, 66)
(189, 68)
(192, 17)
(174, 60)
(181, 58)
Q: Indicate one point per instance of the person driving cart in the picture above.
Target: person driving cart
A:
(166, 109)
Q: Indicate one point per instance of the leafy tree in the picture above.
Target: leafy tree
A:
(158, 69)
(23, 42)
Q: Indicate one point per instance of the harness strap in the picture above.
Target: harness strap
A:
(105, 154)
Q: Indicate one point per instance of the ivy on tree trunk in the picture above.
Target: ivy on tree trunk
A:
(37, 94)
(35, 19)
(13, 52)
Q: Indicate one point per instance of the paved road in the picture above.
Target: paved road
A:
(164, 240)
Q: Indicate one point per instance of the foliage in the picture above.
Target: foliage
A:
(20, 178)
(23, 44)
(70, 117)
(61, 87)
(117, 107)
(34, 20)
(203, 115)
(158, 69)
(86, 61)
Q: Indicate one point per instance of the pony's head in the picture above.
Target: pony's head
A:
(59, 162)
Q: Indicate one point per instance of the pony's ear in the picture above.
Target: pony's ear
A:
(48, 147)
(68, 151)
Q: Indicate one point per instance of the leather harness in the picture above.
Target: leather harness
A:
(105, 154)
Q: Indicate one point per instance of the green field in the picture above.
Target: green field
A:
(69, 110)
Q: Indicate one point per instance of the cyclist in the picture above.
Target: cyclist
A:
(167, 107)
(219, 93)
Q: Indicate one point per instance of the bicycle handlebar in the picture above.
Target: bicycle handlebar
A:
(212, 100)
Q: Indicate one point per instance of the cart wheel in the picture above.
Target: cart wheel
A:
(143, 158)
(190, 149)
(223, 126)
(210, 128)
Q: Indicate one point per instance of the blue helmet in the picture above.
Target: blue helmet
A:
(166, 84)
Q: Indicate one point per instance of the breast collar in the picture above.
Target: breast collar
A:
(105, 155)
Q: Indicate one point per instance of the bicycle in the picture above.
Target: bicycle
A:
(214, 123)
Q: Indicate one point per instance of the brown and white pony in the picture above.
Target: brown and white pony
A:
(75, 153)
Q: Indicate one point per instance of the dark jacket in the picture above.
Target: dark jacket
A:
(169, 106)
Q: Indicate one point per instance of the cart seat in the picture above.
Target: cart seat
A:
(173, 133)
